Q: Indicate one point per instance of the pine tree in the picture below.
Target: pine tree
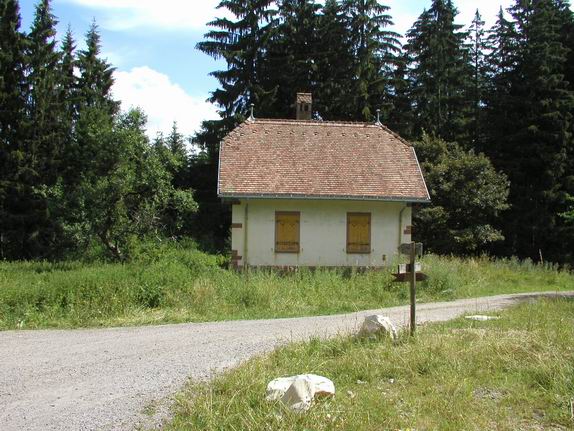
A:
(96, 75)
(13, 92)
(539, 139)
(290, 66)
(95, 109)
(334, 60)
(242, 44)
(375, 48)
(439, 73)
(479, 49)
(68, 94)
(401, 117)
(45, 142)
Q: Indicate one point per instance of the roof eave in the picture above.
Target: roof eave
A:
(322, 197)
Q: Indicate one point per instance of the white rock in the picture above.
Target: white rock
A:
(299, 396)
(377, 323)
(298, 392)
(481, 318)
(277, 388)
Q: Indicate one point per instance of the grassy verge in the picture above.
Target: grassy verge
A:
(182, 285)
(516, 373)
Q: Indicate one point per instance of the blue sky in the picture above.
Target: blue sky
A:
(152, 45)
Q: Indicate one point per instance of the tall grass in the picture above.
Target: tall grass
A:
(516, 373)
(181, 284)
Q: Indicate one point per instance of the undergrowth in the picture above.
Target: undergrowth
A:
(182, 284)
(516, 373)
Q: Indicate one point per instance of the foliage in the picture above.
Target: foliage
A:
(505, 92)
(132, 189)
(166, 281)
(467, 197)
(73, 169)
(534, 145)
(440, 72)
(513, 373)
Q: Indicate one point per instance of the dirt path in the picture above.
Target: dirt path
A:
(110, 379)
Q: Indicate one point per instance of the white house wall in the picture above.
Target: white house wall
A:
(323, 232)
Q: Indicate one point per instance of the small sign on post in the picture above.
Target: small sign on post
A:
(411, 272)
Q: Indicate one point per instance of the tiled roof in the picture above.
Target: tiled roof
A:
(291, 158)
(304, 98)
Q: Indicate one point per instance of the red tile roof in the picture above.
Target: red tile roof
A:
(318, 159)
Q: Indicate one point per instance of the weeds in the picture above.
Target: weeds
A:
(508, 374)
(180, 284)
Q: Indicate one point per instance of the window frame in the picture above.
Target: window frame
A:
(298, 214)
(351, 214)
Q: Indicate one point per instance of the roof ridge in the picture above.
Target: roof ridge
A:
(312, 122)
(328, 123)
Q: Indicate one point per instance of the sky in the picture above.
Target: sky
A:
(151, 44)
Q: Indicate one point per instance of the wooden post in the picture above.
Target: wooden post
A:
(413, 280)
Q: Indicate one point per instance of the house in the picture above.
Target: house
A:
(318, 193)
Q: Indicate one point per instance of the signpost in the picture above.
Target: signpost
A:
(411, 272)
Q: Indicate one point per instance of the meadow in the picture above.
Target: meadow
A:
(182, 284)
(515, 373)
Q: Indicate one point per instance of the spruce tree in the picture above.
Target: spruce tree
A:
(241, 43)
(291, 66)
(68, 90)
(439, 73)
(21, 208)
(401, 116)
(13, 91)
(334, 60)
(45, 142)
(95, 109)
(68, 96)
(478, 50)
(96, 75)
(538, 142)
(375, 48)
(501, 64)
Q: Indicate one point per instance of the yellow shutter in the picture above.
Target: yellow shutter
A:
(358, 233)
(287, 232)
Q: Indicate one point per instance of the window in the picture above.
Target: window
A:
(287, 231)
(358, 232)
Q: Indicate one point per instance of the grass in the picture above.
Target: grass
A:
(516, 373)
(183, 285)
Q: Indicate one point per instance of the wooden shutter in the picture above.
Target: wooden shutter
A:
(287, 232)
(358, 233)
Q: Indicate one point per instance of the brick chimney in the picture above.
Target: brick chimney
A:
(304, 105)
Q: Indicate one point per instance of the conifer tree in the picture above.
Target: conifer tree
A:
(334, 62)
(45, 142)
(13, 91)
(290, 66)
(21, 209)
(242, 44)
(439, 73)
(501, 64)
(375, 48)
(95, 109)
(68, 80)
(400, 117)
(539, 139)
(478, 49)
(96, 75)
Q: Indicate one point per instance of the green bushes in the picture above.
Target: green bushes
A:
(173, 283)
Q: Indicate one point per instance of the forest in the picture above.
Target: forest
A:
(489, 111)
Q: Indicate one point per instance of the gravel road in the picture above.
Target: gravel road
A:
(122, 378)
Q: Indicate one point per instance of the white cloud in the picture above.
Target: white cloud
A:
(165, 14)
(162, 100)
